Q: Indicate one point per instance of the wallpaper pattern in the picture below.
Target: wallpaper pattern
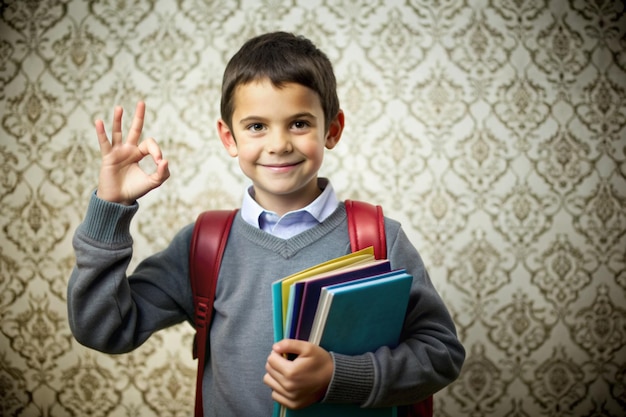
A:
(495, 130)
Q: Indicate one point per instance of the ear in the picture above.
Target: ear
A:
(227, 138)
(334, 130)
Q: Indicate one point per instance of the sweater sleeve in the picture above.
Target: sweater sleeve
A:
(110, 311)
(428, 357)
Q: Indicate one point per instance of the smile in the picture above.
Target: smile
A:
(281, 167)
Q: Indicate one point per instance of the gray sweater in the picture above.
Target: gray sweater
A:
(115, 313)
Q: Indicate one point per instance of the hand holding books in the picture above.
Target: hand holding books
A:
(349, 305)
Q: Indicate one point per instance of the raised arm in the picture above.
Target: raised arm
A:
(108, 310)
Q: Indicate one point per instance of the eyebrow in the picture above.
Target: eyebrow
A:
(249, 119)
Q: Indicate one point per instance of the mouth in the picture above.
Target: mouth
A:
(281, 167)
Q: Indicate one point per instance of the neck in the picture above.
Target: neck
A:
(286, 203)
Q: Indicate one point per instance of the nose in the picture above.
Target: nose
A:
(279, 142)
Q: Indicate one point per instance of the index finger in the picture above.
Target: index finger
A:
(137, 125)
(277, 364)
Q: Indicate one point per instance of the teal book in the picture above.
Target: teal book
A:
(361, 316)
(277, 316)
(355, 317)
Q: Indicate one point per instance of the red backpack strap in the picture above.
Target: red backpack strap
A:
(208, 241)
(366, 227)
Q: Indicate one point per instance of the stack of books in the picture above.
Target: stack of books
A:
(350, 305)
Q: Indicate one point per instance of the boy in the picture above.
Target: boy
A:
(279, 111)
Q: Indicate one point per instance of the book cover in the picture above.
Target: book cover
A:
(310, 290)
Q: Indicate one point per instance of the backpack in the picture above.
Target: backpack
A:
(366, 227)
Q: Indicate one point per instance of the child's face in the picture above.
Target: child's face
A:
(278, 135)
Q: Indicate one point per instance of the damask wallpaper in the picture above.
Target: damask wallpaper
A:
(495, 131)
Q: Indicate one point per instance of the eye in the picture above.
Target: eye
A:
(255, 127)
(301, 124)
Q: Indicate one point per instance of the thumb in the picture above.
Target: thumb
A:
(292, 346)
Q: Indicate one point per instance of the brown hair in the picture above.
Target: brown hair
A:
(282, 58)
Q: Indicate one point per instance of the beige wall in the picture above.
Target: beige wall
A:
(494, 130)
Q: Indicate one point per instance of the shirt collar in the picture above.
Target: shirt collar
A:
(322, 207)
